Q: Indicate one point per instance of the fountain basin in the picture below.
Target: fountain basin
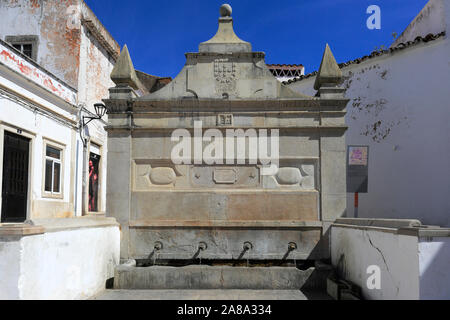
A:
(219, 277)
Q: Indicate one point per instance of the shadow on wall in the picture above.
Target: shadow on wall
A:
(434, 261)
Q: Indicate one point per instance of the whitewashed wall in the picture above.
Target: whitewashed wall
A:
(434, 263)
(400, 108)
(9, 269)
(73, 263)
(39, 127)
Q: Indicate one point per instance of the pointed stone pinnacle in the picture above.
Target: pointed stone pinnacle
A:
(123, 72)
(329, 71)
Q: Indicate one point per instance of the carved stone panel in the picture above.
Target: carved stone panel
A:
(225, 176)
(162, 176)
(225, 75)
(159, 174)
(293, 174)
(149, 174)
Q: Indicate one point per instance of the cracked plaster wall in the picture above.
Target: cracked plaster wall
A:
(354, 250)
(411, 267)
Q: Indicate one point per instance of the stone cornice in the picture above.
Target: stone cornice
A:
(216, 105)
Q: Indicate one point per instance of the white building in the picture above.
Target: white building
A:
(38, 125)
(400, 108)
(55, 63)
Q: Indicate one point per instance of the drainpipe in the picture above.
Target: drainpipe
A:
(84, 210)
(75, 205)
(84, 140)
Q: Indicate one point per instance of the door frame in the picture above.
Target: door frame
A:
(27, 134)
(100, 201)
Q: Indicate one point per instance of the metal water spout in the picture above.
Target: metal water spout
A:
(156, 248)
(246, 247)
(202, 246)
(291, 247)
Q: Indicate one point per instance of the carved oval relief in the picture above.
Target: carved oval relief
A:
(288, 176)
(162, 176)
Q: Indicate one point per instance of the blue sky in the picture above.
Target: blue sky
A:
(158, 33)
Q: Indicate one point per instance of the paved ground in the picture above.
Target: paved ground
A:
(210, 295)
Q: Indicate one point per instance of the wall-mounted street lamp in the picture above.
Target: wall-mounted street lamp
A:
(100, 111)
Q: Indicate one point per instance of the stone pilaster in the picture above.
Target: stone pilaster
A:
(332, 139)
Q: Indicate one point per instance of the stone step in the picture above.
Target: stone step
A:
(231, 295)
(219, 277)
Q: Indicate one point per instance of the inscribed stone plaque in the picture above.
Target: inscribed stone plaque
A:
(224, 119)
(224, 176)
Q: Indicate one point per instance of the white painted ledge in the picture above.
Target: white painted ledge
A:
(55, 225)
(59, 258)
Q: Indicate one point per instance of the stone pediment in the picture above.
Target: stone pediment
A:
(225, 68)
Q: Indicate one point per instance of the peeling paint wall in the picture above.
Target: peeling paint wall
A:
(34, 72)
(400, 108)
(98, 55)
(59, 45)
(94, 81)
(66, 47)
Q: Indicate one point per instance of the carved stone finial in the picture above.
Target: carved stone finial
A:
(123, 73)
(329, 71)
(225, 40)
(225, 10)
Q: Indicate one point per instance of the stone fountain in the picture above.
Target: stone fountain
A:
(223, 207)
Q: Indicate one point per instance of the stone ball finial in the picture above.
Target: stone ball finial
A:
(225, 10)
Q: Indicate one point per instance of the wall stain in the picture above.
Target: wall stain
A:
(362, 108)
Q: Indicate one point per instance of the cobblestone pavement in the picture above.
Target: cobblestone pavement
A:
(210, 295)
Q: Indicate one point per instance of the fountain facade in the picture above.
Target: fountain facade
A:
(232, 209)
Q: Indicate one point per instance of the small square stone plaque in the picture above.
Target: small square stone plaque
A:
(225, 119)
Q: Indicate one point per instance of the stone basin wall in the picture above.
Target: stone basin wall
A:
(223, 205)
